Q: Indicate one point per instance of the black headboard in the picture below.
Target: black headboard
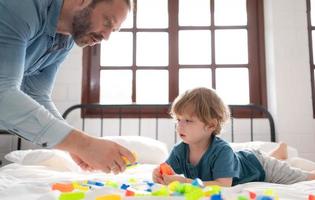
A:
(250, 112)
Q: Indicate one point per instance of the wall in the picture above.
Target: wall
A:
(288, 73)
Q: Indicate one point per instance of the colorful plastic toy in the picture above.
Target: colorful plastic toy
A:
(109, 197)
(63, 187)
(165, 169)
(72, 196)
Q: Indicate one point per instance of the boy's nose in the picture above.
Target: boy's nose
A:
(180, 125)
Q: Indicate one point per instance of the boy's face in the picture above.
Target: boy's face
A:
(191, 130)
(92, 25)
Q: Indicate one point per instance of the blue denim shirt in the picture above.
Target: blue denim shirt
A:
(30, 54)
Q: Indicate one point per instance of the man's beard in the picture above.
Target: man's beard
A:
(81, 25)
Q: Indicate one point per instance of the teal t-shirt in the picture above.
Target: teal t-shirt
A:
(219, 161)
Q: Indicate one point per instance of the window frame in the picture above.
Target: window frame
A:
(256, 62)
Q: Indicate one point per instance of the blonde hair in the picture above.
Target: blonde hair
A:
(205, 104)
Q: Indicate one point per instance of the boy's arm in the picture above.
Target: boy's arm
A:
(224, 182)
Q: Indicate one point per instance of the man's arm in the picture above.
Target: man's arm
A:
(40, 87)
(20, 114)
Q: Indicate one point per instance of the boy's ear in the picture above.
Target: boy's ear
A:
(212, 125)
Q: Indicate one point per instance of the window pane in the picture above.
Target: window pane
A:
(230, 12)
(194, 14)
(195, 47)
(117, 51)
(233, 85)
(152, 87)
(191, 78)
(152, 49)
(152, 14)
(231, 47)
(313, 12)
(115, 86)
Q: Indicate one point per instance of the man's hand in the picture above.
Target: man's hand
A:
(92, 153)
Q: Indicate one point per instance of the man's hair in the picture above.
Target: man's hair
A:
(128, 2)
(203, 103)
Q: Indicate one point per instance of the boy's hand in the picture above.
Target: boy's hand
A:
(167, 179)
(157, 176)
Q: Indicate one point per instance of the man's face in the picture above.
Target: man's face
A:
(91, 25)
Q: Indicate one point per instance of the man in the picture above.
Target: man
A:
(35, 37)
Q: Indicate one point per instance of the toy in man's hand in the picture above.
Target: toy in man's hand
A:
(128, 163)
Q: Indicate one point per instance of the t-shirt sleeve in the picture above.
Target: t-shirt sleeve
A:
(224, 164)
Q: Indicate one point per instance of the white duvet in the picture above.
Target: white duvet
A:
(38, 170)
(34, 182)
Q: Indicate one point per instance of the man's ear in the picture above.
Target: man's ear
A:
(84, 3)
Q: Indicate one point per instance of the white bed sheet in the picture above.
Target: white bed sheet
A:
(34, 182)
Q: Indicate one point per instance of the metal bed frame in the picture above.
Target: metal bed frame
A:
(251, 110)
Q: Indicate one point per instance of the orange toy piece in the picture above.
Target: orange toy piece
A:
(166, 169)
(63, 187)
(109, 197)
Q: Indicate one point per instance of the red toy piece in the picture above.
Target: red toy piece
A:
(129, 193)
(252, 195)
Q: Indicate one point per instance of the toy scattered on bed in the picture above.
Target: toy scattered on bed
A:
(109, 190)
(133, 189)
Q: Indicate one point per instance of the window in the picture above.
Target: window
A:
(311, 33)
(168, 46)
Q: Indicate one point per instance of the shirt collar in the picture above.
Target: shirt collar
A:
(53, 16)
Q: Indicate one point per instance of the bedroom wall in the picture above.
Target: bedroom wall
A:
(288, 75)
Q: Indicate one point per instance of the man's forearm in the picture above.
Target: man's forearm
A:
(74, 141)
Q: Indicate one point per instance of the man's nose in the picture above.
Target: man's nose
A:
(106, 34)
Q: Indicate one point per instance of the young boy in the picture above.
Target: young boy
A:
(200, 115)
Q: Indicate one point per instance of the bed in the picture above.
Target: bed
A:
(32, 174)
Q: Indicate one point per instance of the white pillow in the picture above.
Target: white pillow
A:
(148, 150)
(54, 159)
(302, 163)
(263, 146)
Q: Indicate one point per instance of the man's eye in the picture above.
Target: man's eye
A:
(108, 23)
